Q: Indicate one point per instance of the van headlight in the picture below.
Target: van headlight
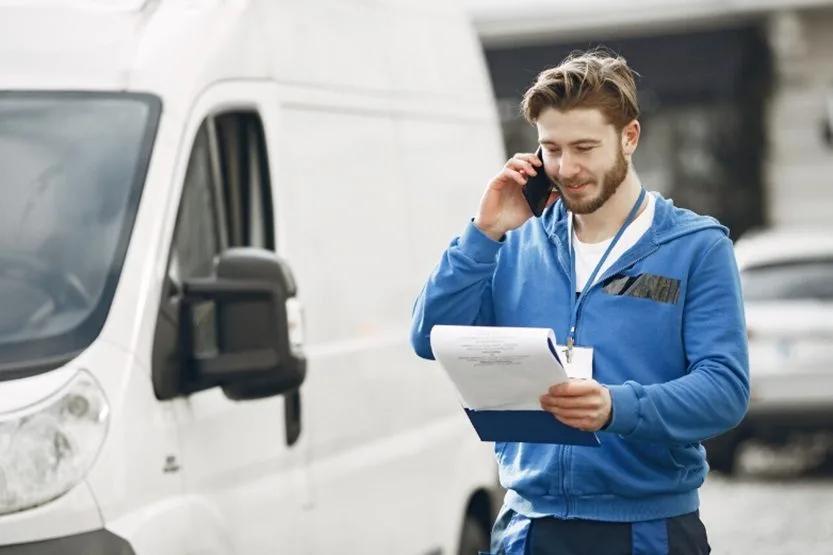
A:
(47, 448)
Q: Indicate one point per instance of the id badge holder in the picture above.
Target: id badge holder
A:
(580, 365)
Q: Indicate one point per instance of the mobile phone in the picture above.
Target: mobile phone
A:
(538, 188)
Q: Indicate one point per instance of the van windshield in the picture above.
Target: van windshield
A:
(72, 168)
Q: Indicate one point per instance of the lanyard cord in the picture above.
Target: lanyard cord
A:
(575, 303)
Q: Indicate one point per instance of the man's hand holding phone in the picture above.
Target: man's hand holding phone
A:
(504, 206)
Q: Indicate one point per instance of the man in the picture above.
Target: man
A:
(644, 297)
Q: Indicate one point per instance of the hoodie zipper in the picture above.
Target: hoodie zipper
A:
(614, 269)
(564, 488)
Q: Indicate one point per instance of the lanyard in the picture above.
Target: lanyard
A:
(576, 303)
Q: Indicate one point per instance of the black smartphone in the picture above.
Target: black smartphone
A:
(538, 188)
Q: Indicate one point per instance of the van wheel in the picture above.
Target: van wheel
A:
(475, 538)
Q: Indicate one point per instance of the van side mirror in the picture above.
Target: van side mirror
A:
(243, 326)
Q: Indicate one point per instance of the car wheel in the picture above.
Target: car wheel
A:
(474, 538)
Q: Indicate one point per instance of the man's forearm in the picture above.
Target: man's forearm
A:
(458, 292)
(693, 408)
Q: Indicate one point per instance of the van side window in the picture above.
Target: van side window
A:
(245, 170)
(197, 239)
(226, 202)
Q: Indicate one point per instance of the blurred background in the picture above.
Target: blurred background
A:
(737, 100)
(737, 123)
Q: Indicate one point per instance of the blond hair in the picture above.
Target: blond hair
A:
(592, 79)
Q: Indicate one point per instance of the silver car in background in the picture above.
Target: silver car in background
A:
(787, 278)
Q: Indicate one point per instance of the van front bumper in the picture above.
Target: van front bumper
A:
(98, 542)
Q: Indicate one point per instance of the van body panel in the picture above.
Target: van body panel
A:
(376, 152)
(175, 525)
(137, 465)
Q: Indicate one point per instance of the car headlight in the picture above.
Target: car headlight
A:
(47, 448)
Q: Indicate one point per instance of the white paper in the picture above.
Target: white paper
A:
(498, 368)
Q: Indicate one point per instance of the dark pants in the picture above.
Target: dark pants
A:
(682, 535)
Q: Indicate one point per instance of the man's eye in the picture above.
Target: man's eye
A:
(585, 148)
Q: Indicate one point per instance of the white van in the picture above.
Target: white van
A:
(218, 216)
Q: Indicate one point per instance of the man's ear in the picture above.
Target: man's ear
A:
(630, 138)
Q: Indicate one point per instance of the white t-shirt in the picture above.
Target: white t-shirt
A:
(589, 254)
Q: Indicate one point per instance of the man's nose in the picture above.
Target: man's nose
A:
(567, 168)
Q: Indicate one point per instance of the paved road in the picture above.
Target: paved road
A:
(776, 506)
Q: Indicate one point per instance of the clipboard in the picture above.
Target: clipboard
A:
(499, 374)
(527, 426)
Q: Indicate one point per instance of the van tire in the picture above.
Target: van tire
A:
(474, 538)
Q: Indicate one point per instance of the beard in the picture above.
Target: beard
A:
(610, 182)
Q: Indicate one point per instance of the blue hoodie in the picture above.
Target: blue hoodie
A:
(676, 364)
